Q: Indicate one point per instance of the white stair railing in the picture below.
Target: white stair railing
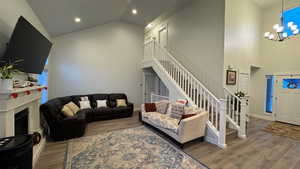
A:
(219, 110)
(236, 112)
(156, 98)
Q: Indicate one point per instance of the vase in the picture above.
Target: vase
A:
(6, 85)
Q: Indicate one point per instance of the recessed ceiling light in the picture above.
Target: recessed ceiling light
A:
(77, 20)
(134, 11)
(150, 25)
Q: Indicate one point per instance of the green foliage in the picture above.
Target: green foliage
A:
(8, 70)
(240, 94)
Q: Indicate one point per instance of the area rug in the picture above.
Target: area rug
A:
(284, 129)
(134, 148)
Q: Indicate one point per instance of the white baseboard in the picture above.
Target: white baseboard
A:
(264, 117)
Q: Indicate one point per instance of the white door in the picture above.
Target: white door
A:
(287, 99)
(163, 36)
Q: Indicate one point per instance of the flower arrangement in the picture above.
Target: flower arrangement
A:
(240, 94)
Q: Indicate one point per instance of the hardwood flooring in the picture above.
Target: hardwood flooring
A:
(261, 150)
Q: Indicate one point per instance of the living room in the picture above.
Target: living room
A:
(148, 84)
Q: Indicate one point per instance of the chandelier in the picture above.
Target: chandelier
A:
(280, 29)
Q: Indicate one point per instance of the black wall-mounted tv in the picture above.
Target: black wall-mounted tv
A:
(30, 46)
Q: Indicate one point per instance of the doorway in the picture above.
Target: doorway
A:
(286, 102)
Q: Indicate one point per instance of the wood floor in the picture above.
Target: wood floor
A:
(260, 150)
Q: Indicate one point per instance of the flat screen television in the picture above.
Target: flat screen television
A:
(30, 46)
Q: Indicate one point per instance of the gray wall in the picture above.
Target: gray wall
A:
(10, 11)
(276, 58)
(196, 39)
(102, 59)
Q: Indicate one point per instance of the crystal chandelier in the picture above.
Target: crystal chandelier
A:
(280, 30)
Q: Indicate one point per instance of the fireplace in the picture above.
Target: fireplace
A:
(21, 122)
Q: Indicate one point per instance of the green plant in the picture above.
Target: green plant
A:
(8, 70)
(240, 94)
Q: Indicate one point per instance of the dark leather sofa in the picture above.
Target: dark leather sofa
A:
(62, 127)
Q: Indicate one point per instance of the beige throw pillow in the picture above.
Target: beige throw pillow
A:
(67, 111)
(85, 104)
(176, 110)
(73, 107)
(121, 103)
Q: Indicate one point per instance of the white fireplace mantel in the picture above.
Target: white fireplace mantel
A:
(12, 102)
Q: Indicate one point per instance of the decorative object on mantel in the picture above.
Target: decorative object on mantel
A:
(231, 77)
(7, 72)
(281, 29)
(14, 95)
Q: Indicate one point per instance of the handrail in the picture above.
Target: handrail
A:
(182, 67)
(229, 92)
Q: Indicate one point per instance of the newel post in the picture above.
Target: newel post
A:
(243, 119)
(222, 136)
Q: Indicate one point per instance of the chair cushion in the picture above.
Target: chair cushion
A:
(162, 120)
(96, 97)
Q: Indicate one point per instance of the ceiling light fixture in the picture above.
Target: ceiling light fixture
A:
(77, 20)
(134, 11)
(280, 29)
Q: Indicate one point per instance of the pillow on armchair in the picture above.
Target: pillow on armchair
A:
(150, 107)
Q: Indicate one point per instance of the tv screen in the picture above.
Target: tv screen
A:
(30, 46)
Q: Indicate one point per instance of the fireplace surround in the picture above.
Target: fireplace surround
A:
(25, 101)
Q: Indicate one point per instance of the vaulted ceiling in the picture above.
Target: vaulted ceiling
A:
(58, 15)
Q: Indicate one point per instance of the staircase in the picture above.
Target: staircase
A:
(183, 84)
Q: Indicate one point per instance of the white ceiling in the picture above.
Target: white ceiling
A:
(58, 15)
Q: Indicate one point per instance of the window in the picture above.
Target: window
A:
(291, 15)
(43, 80)
(291, 84)
(269, 94)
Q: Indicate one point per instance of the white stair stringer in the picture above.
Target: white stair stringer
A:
(175, 91)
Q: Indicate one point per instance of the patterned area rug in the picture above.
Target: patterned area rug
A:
(134, 148)
(284, 129)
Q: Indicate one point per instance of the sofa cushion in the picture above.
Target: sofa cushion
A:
(162, 106)
(96, 97)
(113, 99)
(150, 107)
(85, 104)
(67, 111)
(101, 103)
(76, 99)
(73, 107)
(121, 109)
(162, 120)
(176, 110)
(121, 103)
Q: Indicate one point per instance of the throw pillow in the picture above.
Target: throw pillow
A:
(101, 103)
(121, 103)
(182, 101)
(85, 98)
(162, 106)
(73, 107)
(150, 107)
(190, 109)
(176, 110)
(85, 104)
(185, 116)
(67, 111)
